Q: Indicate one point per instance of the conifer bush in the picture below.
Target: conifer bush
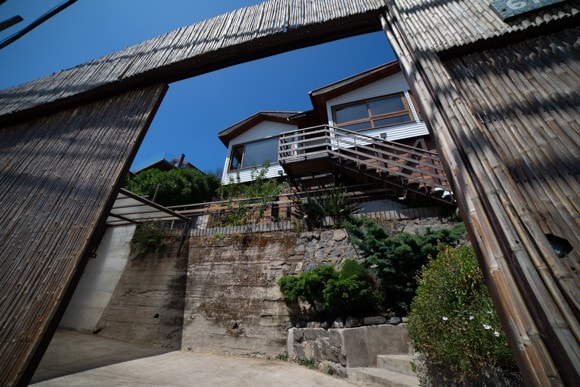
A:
(351, 291)
(397, 259)
(453, 321)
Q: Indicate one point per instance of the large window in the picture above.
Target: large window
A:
(373, 113)
(254, 154)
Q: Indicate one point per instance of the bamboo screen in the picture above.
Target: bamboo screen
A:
(58, 177)
(502, 99)
(242, 35)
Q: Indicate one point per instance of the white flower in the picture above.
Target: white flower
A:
(471, 318)
(486, 327)
(496, 333)
(444, 318)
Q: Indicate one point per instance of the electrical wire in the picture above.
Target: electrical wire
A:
(36, 23)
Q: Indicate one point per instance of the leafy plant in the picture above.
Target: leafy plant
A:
(397, 259)
(248, 202)
(310, 363)
(308, 286)
(353, 293)
(331, 203)
(453, 321)
(349, 292)
(174, 187)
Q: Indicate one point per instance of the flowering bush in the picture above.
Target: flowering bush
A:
(453, 321)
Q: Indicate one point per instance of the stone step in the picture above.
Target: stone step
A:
(396, 363)
(375, 377)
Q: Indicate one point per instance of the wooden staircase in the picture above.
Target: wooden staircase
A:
(329, 151)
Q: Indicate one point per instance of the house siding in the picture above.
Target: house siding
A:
(263, 130)
(395, 83)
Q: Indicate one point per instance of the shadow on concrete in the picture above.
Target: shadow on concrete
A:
(71, 352)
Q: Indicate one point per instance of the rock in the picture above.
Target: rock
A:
(309, 266)
(405, 319)
(314, 333)
(339, 235)
(301, 324)
(288, 326)
(298, 352)
(331, 368)
(375, 320)
(338, 323)
(334, 338)
(329, 351)
(394, 320)
(351, 322)
(295, 334)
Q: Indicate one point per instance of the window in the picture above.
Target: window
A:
(373, 113)
(254, 154)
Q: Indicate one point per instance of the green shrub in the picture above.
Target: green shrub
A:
(308, 286)
(248, 202)
(396, 260)
(174, 187)
(453, 322)
(349, 292)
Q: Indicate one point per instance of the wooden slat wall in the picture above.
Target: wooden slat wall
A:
(257, 31)
(58, 178)
(506, 125)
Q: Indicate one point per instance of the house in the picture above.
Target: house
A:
(253, 142)
(365, 129)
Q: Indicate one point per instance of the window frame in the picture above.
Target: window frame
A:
(243, 146)
(408, 111)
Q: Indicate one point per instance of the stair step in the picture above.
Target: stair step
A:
(370, 376)
(396, 363)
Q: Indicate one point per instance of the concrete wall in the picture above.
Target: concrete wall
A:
(219, 294)
(233, 304)
(147, 306)
(99, 280)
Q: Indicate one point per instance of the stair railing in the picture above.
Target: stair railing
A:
(368, 154)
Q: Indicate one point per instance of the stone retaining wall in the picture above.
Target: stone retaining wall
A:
(336, 349)
(232, 302)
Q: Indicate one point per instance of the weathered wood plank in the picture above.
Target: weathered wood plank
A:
(63, 170)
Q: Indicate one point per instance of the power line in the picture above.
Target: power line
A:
(36, 23)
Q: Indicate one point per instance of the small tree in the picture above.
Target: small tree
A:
(174, 187)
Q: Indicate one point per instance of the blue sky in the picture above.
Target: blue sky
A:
(194, 110)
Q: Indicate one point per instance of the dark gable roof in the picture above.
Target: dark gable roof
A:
(235, 130)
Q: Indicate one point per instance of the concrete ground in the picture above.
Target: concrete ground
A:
(77, 359)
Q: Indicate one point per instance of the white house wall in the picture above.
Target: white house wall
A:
(262, 131)
(393, 84)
